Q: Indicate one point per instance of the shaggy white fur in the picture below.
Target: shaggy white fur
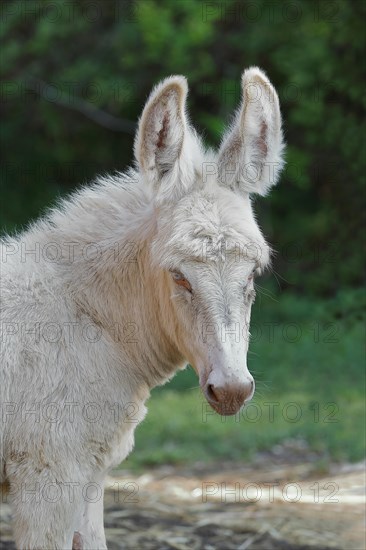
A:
(117, 288)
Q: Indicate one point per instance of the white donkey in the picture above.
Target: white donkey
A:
(117, 288)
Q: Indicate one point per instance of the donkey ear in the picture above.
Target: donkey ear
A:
(161, 135)
(250, 156)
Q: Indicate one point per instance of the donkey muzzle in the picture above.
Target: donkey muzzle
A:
(228, 399)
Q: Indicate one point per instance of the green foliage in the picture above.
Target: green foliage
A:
(194, 432)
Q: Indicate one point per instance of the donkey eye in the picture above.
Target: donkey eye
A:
(254, 273)
(180, 280)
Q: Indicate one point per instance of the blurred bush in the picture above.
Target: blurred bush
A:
(76, 74)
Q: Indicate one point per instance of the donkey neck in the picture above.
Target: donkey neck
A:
(112, 280)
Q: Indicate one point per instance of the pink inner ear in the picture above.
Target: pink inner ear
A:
(262, 143)
(77, 541)
(162, 134)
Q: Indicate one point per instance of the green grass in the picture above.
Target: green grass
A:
(307, 358)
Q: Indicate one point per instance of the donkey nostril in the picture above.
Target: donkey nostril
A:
(211, 395)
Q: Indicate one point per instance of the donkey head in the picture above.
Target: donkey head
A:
(207, 245)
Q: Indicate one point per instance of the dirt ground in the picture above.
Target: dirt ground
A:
(269, 505)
